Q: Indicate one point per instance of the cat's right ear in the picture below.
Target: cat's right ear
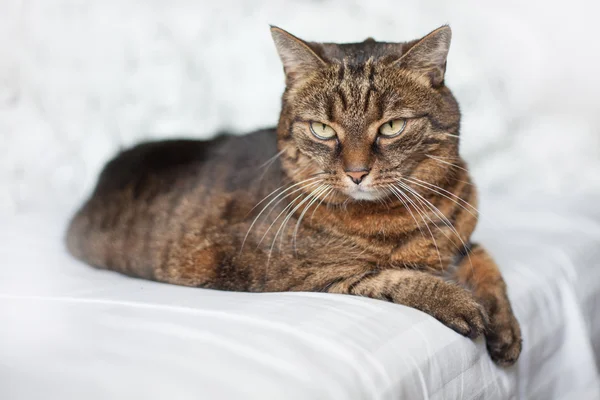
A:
(297, 57)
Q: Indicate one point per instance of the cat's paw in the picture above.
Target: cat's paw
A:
(456, 308)
(503, 339)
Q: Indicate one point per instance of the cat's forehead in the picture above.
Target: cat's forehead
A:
(359, 53)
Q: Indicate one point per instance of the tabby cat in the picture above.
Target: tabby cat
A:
(359, 190)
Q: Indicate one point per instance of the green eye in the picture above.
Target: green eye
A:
(321, 130)
(392, 128)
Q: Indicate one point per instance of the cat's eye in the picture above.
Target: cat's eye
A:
(392, 128)
(322, 131)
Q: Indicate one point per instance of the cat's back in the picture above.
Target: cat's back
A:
(165, 164)
(149, 191)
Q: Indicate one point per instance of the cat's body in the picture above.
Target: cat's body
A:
(150, 198)
(345, 210)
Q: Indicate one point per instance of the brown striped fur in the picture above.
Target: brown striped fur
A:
(192, 212)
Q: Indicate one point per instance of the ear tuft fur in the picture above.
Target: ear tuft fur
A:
(295, 54)
(429, 54)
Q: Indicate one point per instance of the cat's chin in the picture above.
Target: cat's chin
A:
(362, 194)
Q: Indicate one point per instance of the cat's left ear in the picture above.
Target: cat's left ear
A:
(428, 55)
(297, 57)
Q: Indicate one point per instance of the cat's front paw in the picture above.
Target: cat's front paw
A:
(456, 308)
(463, 314)
(503, 339)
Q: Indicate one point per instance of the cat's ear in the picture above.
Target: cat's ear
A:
(428, 55)
(297, 57)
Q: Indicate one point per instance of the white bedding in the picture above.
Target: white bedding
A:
(68, 331)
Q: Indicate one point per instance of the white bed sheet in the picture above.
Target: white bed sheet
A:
(68, 331)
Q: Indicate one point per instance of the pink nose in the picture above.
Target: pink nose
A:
(357, 176)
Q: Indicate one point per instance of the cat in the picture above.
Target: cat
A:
(359, 190)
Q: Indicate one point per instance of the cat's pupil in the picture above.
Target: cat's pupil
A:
(392, 124)
(324, 127)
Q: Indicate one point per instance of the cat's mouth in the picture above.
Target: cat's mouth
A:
(359, 192)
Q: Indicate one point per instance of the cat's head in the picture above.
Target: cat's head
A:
(360, 117)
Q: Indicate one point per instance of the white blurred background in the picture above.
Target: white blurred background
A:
(80, 79)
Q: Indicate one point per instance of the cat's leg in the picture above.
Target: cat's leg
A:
(479, 272)
(193, 260)
(212, 260)
(206, 262)
(451, 304)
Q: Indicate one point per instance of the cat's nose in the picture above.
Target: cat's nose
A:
(357, 176)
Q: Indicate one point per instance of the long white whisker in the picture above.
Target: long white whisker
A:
(268, 164)
(445, 162)
(422, 213)
(287, 207)
(399, 197)
(291, 213)
(431, 207)
(381, 200)
(451, 135)
(287, 218)
(435, 189)
(431, 187)
(272, 159)
(279, 188)
(275, 199)
(321, 202)
(308, 206)
(440, 215)
(345, 204)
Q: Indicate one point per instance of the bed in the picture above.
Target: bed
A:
(68, 331)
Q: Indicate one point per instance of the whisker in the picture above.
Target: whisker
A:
(287, 207)
(435, 189)
(306, 208)
(268, 164)
(445, 162)
(451, 135)
(270, 226)
(465, 182)
(392, 188)
(448, 158)
(321, 202)
(279, 188)
(311, 183)
(422, 213)
(272, 159)
(382, 200)
(291, 214)
(442, 217)
(345, 204)
(288, 216)
(431, 207)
